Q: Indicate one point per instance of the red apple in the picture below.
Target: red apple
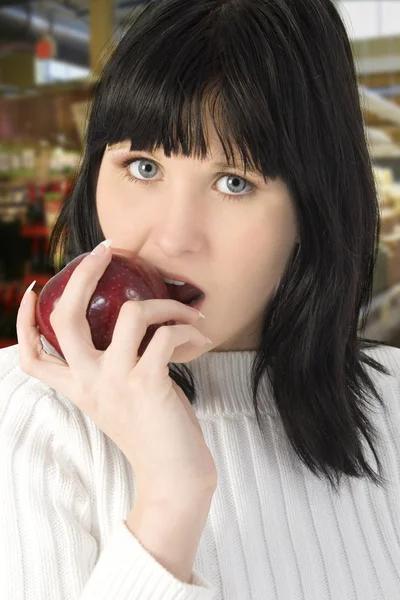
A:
(127, 277)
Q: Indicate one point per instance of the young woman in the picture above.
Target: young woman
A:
(226, 147)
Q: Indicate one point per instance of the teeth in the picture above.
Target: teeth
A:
(173, 281)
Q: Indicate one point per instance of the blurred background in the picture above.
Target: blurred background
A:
(52, 51)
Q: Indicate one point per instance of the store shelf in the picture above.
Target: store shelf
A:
(384, 316)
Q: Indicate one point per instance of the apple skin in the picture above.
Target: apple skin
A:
(127, 277)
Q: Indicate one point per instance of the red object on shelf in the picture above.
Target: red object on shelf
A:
(45, 48)
(31, 189)
(9, 297)
(36, 232)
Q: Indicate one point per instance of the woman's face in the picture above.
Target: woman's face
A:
(234, 248)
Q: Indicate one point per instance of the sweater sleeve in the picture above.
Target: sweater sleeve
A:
(47, 546)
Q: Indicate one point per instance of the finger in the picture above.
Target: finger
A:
(154, 363)
(34, 360)
(69, 317)
(133, 320)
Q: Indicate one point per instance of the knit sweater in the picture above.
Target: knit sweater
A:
(274, 531)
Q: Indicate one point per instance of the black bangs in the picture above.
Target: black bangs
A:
(202, 63)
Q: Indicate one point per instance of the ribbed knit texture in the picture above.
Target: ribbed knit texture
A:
(274, 532)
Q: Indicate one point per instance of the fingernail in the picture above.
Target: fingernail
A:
(209, 341)
(198, 313)
(24, 297)
(101, 248)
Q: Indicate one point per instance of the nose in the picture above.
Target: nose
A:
(179, 227)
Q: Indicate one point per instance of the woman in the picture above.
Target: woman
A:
(245, 468)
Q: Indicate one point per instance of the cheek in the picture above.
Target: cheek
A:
(264, 247)
(117, 210)
(111, 209)
(108, 217)
(259, 257)
(104, 192)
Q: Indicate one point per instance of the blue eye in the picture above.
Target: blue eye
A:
(145, 169)
(142, 170)
(236, 181)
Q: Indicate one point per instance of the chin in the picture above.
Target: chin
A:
(183, 355)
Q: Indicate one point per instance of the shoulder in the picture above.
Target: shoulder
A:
(26, 402)
(387, 384)
(14, 383)
(388, 356)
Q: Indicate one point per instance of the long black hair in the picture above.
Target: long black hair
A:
(278, 79)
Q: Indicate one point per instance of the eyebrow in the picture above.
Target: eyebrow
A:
(224, 165)
(218, 165)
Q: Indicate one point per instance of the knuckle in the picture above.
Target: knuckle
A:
(132, 310)
(165, 334)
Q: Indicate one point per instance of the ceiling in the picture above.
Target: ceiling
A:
(370, 18)
(23, 22)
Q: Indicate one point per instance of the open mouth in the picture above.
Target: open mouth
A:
(181, 290)
(195, 303)
(187, 294)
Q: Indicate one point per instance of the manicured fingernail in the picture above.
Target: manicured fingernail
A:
(24, 297)
(101, 248)
(197, 312)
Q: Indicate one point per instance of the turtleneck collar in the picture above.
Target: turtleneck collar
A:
(223, 385)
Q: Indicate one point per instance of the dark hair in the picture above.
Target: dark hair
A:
(278, 78)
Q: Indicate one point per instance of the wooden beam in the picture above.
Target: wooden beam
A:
(101, 14)
(376, 47)
(380, 79)
(393, 132)
(18, 69)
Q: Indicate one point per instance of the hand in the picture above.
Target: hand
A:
(132, 400)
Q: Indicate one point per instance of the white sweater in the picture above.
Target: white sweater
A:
(274, 532)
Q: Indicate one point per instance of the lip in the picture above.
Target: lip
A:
(178, 277)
